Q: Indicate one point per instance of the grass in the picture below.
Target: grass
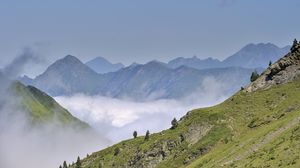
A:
(42, 108)
(258, 129)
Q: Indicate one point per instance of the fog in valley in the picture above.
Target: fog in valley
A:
(112, 119)
(25, 145)
(116, 119)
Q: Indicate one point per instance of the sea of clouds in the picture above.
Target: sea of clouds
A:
(116, 119)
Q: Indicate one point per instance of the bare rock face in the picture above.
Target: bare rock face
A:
(284, 70)
(168, 148)
(197, 132)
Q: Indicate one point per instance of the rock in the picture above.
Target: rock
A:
(196, 132)
(284, 70)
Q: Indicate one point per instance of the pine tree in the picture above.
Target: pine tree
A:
(117, 151)
(270, 63)
(174, 123)
(295, 42)
(60, 166)
(65, 164)
(78, 163)
(147, 135)
(254, 76)
(134, 134)
(100, 165)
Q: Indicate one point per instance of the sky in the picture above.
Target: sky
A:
(142, 30)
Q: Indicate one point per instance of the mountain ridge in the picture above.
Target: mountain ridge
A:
(250, 129)
(43, 109)
(250, 56)
(101, 65)
(143, 82)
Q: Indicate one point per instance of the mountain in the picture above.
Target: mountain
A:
(101, 65)
(31, 121)
(66, 76)
(194, 62)
(253, 128)
(256, 55)
(250, 56)
(43, 109)
(149, 81)
(155, 80)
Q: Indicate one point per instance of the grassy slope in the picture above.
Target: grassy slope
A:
(43, 108)
(259, 129)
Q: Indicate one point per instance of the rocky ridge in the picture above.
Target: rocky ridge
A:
(284, 70)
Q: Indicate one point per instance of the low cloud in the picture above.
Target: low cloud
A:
(25, 62)
(47, 145)
(33, 146)
(117, 119)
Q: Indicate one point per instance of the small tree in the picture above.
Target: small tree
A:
(78, 163)
(60, 166)
(117, 151)
(147, 135)
(174, 123)
(270, 63)
(134, 134)
(295, 42)
(254, 76)
(100, 165)
(65, 164)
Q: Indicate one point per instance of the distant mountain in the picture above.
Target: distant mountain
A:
(250, 56)
(155, 80)
(194, 62)
(66, 76)
(101, 65)
(256, 127)
(149, 81)
(256, 55)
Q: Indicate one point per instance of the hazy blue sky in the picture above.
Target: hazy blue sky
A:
(142, 30)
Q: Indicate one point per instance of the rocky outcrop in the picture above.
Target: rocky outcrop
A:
(157, 153)
(196, 132)
(284, 70)
(168, 148)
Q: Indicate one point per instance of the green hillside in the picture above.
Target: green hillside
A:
(43, 109)
(257, 127)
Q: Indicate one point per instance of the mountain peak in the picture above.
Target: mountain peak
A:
(284, 70)
(70, 58)
(255, 55)
(252, 46)
(102, 65)
(99, 59)
(68, 62)
(155, 63)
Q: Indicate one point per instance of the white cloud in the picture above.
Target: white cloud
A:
(117, 119)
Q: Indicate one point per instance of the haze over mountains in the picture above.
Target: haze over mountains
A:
(153, 80)
(30, 120)
(250, 56)
(101, 65)
(256, 127)
(155, 84)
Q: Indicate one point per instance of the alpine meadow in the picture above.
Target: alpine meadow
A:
(149, 84)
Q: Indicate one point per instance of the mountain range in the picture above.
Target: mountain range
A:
(101, 65)
(256, 127)
(152, 80)
(250, 56)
